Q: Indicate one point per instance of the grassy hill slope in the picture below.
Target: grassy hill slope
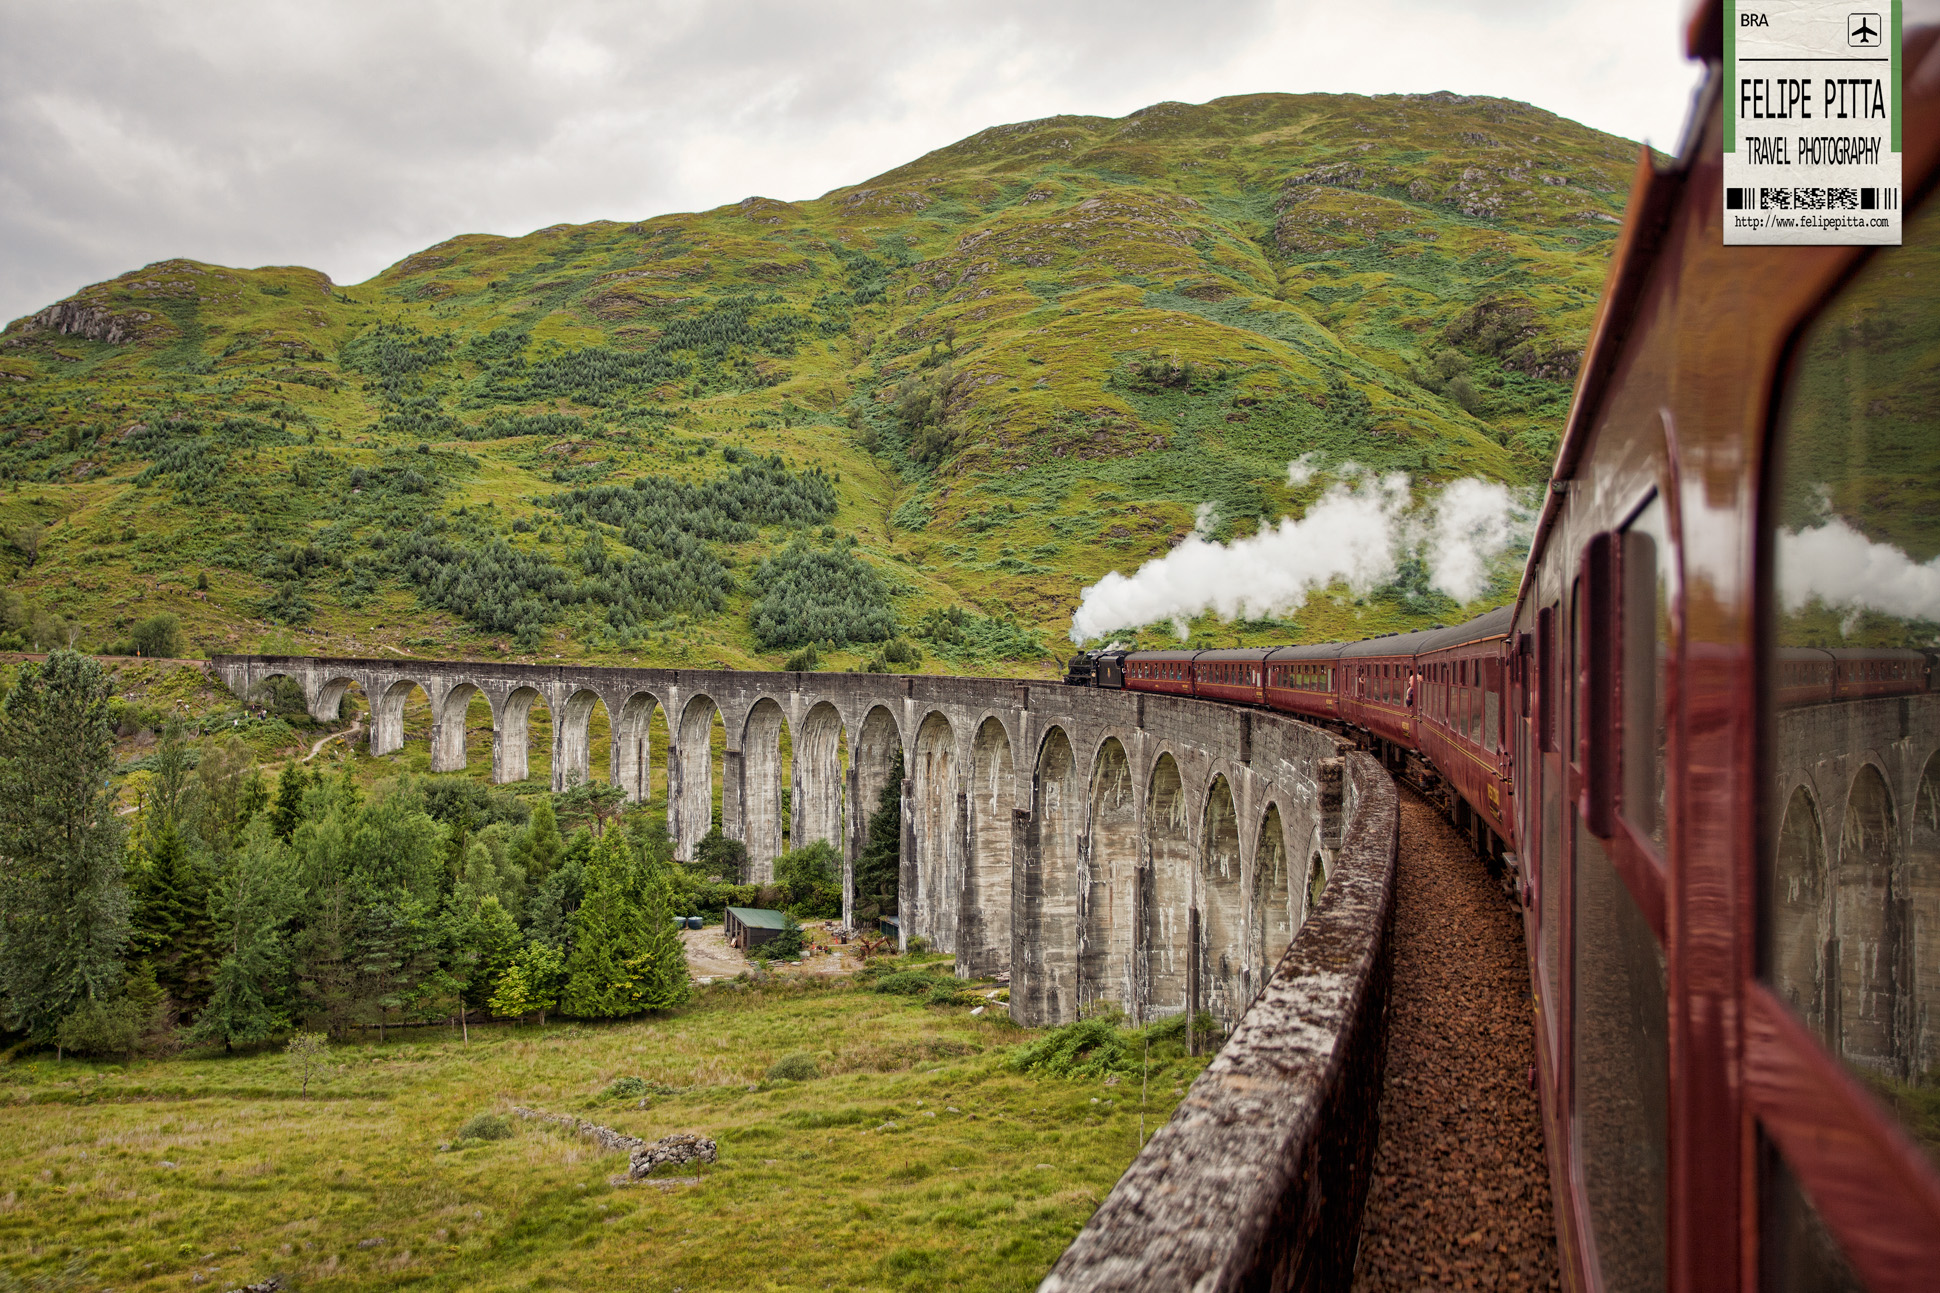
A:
(924, 410)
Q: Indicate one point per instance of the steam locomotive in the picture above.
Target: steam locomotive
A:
(1704, 741)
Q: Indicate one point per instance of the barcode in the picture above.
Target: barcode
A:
(1811, 199)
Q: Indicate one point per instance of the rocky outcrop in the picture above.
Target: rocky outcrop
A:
(96, 323)
(681, 1148)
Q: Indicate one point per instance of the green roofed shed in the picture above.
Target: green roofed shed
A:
(748, 927)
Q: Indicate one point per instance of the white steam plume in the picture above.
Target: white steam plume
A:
(1355, 534)
(1475, 521)
(1837, 565)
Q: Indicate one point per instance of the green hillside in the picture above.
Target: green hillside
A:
(915, 416)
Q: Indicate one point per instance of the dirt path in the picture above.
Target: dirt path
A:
(356, 726)
(709, 957)
(1460, 1196)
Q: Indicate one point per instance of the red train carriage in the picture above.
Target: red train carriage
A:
(1462, 724)
(1734, 899)
(1165, 671)
(1815, 676)
(1858, 674)
(1377, 689)
(1304, 680)
(1803, 676)
(1236, 675)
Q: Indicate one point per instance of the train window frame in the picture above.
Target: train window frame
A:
(1598, 709)
(1633, 833)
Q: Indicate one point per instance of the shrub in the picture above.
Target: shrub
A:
(912, 983)
(627, 1088)
(819, 595)
(1086, 1048)
(158, 635)
(805, 660)
(716, 854)
(1170, 1032)
(787, 945)
(949, 994)
(1157, 373)
(798, 1067)
(811, 877)
(486, 1126)
(104, 1028)
(698, 896)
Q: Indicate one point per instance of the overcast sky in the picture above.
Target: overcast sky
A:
(346, 135)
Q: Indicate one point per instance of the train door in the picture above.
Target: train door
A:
(1617, 1056)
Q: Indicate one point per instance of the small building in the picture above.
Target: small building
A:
(748, 927)
(890, 927)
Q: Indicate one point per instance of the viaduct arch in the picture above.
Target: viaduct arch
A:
(1854, 935)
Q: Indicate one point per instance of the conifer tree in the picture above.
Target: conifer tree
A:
(482, 941)
(540, 845)
(878, 869)
(395, 959)
(660, 971)
(288, 809)
(255, 897)
(326, 972)
(63, 901)
(609, 933)
(173, 928)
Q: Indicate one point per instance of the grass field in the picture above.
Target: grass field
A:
(919, 1159)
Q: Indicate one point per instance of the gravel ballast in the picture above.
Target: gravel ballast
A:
(1460, 1196)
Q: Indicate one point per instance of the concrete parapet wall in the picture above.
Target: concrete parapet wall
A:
(1258, 1179)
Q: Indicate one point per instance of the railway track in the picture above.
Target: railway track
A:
(1460, 1196)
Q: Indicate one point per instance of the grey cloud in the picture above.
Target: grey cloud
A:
(346, 136)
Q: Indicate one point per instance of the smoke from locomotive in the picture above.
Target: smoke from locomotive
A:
(1356, 534)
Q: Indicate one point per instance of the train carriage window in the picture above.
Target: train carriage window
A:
(1645, 623)
(1492, 706)
(1550, 794)
(1850, 879)
(1621, 1026)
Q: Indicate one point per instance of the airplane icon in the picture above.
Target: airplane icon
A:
(1861, 31)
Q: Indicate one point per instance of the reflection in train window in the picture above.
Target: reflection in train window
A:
(1851, 878)
(1622, 1060)
(1551, 795)
(1646, 629)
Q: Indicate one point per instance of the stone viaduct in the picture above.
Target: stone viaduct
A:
(1855, 920)
(1099, 846)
